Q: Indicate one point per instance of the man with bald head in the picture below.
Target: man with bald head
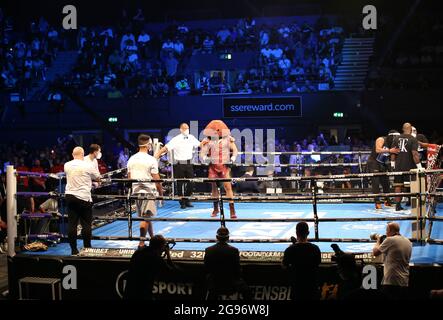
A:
(396, 250)
(79, 177)
(406, 159)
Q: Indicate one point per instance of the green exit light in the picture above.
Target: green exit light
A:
(338, 114)
(113, 119)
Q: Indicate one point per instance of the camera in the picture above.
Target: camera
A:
(170, 244)
(376, 236)
(337, 252)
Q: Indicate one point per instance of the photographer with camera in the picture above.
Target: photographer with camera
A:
(146, 264)
(396, 250)
(302, 259)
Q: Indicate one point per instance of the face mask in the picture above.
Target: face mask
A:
(186, 132)
(99, 155)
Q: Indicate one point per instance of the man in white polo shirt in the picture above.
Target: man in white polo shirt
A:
(142, 166)
(79, 177)
(182, 147)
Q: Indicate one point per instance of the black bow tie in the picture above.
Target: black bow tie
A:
(185, 137)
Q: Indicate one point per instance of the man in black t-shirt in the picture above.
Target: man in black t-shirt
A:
(408, 158)
(222, 264)
(302, 259)
(378, 162)
(146, 264)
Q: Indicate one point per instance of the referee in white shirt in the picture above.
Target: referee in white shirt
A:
(182, 147)
(79, 177)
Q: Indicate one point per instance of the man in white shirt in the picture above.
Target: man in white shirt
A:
(396, 250)
(79, 177)
(142, 166)
(182, 147)
(95, 153)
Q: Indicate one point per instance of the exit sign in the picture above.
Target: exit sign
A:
(338, 114)
(112, 119)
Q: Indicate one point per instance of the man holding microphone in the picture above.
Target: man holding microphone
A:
(182, 147)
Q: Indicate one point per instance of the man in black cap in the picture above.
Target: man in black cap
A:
(222, 263)
(378, 161)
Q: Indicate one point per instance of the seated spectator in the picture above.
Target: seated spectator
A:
(179, 48)
(127, 36)
(264, 38)
(266, 52)
(270, 184)
(123, 158)
(276, 53)
(208, 45)
(324, 73)
(284, 64)
(109, 78)
(182, 29)
(53, 39)
(203, 84)
(114, 93)
(283, 31)
(222, 264)
(247, 186)
(223, 35)
(302, 259)
(171, 65)
(245, 89)
(168, 46)
(182, 86)
(161, 88)
(145, 266)
(143, 41)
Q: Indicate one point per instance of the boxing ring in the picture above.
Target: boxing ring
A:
(265, 223)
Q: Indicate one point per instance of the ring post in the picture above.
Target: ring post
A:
(172, 173)
(314, 204)
(129, 210)
(222, 210)
(361, 170)
(62, 208)
(417, 204)
(11, 208)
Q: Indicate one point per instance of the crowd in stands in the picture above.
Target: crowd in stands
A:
(126, 60)
(24, 59)
(416, 59)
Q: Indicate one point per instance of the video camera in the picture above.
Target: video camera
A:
(376, 236)
(170, 244)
